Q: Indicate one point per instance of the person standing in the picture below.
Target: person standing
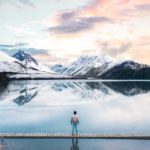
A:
(74, 123)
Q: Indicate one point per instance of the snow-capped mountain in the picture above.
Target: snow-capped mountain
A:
(10, 64)
(83, 65)
(126, 70)
(59, 68)
(103, 67)
(24, 66)
(22, 56)
(12, 68)
(30, 62)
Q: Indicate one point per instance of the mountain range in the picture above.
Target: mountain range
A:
(104, 67)
(24, 66)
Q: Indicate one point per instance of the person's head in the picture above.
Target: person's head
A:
(74, 112)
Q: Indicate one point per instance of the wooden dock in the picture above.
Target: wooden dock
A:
(80, 135)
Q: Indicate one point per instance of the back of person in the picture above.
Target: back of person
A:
(75, 119)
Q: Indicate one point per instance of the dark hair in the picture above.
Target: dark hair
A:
(75, 112)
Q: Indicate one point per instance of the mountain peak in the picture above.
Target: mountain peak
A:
(23, 56)
(59, 68)
(85, 63)
(93, 59)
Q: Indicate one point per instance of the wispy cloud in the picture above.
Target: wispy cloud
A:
(114, 51)
(95, 12)
(12, 48)
(21, 44)
(7, 46)
(35, 51)
(20, 31)
(17, 3)
(67, 15)
(76, 25)
(26, 2)
(143, 7)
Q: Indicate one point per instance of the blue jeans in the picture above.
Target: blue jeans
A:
(74, 128)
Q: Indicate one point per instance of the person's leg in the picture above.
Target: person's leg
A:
(73, 129)
(76, 129)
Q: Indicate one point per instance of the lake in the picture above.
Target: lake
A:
(80, 144)
(103, 107)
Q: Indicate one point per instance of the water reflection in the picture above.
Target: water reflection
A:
(74, 144)
(64, 144)
(22, 92)
(25, 96)
(129, 88)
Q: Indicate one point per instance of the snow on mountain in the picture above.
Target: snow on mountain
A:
(6, 58)
(85, 63)
(104, 67)
(128, 63)
(22, 56)
(126, 70)
(31, 62)
(59, 68)
(10, 64)
(14, 65)
(24, 66)
(17, 69)
(37, 75)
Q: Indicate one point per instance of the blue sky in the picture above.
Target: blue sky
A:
(59, 31)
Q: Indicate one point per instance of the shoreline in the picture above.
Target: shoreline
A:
(6, 77)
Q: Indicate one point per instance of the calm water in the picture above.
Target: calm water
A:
(80, 144)
(104, 107)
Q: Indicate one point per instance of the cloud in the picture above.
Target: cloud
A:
(20, 31)
(67, 15)
(21, 44)
(26, 2)
(34, 51)
(95, 12)
(143, 7)
(7, 46)
(113, 51)
(76, 25)
(17, 3)
(12, 48)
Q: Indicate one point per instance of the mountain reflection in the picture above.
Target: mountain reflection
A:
(129, 88)
(25, 97)
(93, 90)
(23, 92)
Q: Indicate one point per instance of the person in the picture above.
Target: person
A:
(74, 122)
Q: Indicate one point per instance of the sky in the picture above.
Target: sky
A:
(60, 31)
